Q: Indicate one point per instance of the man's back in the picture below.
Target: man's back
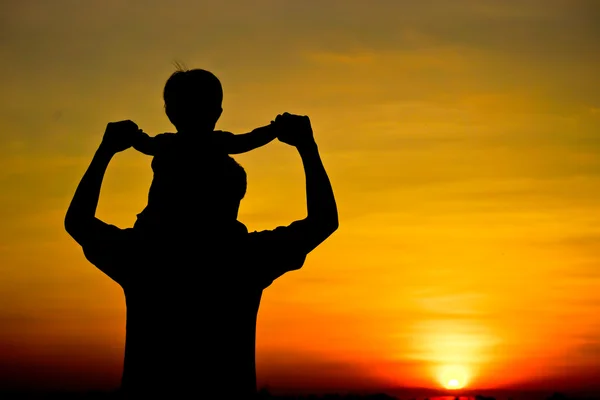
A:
(192, 304)
(190, 318)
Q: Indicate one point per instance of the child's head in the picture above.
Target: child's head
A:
(193, 99)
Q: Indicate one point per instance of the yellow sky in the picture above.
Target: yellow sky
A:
(462, 140)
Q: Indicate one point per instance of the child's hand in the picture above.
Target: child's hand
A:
(295, 130)
(280, 124)
(120, 136)
(274, 129)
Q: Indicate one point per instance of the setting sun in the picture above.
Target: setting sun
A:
(453, 384)
(453, 377)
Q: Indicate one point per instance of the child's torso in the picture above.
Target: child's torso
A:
(181, 168)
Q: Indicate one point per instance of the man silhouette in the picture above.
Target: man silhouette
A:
(193, 293)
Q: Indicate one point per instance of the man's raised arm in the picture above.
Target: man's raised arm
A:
(322, 218)
(80, 220)
(285, 248)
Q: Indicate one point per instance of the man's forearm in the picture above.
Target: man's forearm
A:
(82, 209)
(320, 200)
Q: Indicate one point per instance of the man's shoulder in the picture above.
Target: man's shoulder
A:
(107, 246)
(103, 233)
(277, 250)
(281, 230)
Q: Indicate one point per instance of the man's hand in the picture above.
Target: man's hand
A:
(120, 136)
(294, 130)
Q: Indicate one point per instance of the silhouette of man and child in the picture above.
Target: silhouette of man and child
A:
(191, 273)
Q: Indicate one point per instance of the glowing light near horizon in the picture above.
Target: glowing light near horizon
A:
(454, 377)
(453, 384)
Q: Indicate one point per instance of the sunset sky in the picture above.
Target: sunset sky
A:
(462, 139)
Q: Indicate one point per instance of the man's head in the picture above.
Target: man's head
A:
(229, 184)
(193, 99)
(209, 187)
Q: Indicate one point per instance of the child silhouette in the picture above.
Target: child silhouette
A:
(193, 104)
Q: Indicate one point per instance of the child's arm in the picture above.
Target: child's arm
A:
(244, 142)
(146, 144)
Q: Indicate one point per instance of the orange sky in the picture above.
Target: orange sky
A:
(462, 140)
